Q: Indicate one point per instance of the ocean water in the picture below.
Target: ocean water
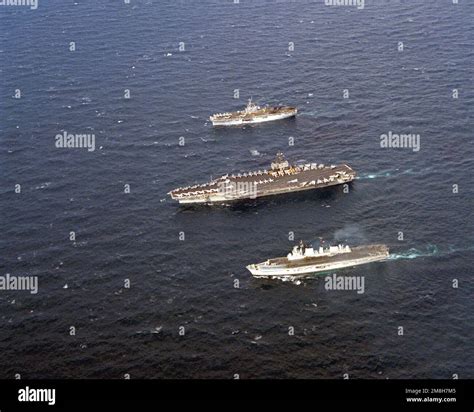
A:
(181, 62)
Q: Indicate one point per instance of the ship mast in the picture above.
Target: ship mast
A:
(251, 107)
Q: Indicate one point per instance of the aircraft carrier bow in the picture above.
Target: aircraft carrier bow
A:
(281, 178)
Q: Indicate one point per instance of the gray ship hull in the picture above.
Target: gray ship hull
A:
(255, 185)
(283, 268)
(253, 115)
(241, 120)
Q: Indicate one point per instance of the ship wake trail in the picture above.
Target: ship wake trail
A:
(428, 251)
(413, 253)
(392, 173)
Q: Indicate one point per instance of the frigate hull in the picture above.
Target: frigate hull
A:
(253, 114)
(242, 120)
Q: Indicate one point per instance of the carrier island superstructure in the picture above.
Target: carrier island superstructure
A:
(303, 260)
(281, 178)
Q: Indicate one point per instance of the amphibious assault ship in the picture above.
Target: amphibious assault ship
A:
(281, 178)
(304, 260)
(253, 114)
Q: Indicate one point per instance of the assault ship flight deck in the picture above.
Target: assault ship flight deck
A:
(282, 178)
(253, 114)
(304, 260)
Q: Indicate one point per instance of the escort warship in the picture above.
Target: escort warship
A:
(253, 114)
(303, 260)
(281, 178)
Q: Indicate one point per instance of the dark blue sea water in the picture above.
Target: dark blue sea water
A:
(190, 283)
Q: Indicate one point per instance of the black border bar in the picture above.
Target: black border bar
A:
(71, 394)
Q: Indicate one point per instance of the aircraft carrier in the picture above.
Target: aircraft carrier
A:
(281, 178)
(303, 260)
(253, 114)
